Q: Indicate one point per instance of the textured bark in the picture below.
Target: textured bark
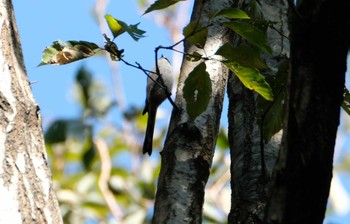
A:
(319, 45)
(251, 184)
(189, 147)
(25, 181)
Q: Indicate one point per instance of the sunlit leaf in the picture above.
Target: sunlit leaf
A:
(233, 13)
(251, 33)
(114, 26)
(60, 53)
(161, 4)
(252, 79)
(196, 34)
(243, 54)
(118, 27)
(197, 91)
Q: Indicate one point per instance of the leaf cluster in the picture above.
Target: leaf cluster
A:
(244, 61)
(60, 52)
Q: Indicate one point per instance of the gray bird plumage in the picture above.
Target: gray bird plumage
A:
(155, 95)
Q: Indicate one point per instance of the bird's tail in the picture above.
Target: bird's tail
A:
(147, 144)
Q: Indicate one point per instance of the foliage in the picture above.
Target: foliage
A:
(251, 33)
(271, 113)
(161, 4)
(252, 79)
(244, 61)
(118, 27)
(243, 54)
(196, 34)
(233, 13)
(197, 91)
(60, 53)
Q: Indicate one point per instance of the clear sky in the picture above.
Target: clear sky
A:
(40, 22)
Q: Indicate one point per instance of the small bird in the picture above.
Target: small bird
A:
(155, 95)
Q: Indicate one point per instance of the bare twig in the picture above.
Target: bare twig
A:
(106, 167)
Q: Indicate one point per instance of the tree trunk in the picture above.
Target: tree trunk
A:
(250, 170)
(189, 147)
(319, 45)
(25, 185)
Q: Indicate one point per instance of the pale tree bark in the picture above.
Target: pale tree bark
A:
(319, 44)
(252, 160)
(189, 146)
(25, 180)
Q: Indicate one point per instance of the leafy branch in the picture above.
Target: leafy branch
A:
(238, 60)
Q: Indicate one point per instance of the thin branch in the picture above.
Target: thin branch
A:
(112, 48)
(106, 167)
(147, 72)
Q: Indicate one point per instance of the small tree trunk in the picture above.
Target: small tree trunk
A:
(250, 170)
(25, 180)
(319, 46)
(189, 147)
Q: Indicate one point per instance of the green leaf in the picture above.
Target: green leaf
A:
(114, 26)
(64, 130)
(222, 140)
(252, 79)
(196, 34)
(273, 119)
(118, 27)
(271, 114)
(89, 155)
(56, 132)
(346, 101)
(132, 30)
(195, 56)
(251, 33)
(243, 54)
(161, 4)
(197, 91)
(84, 80)
(233, 13)
(60, 53)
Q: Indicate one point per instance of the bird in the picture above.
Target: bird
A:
(155, 95)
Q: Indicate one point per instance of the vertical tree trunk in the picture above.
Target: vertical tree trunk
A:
(319, 46)
(250, 176)
(25, 181)
(189, 147)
